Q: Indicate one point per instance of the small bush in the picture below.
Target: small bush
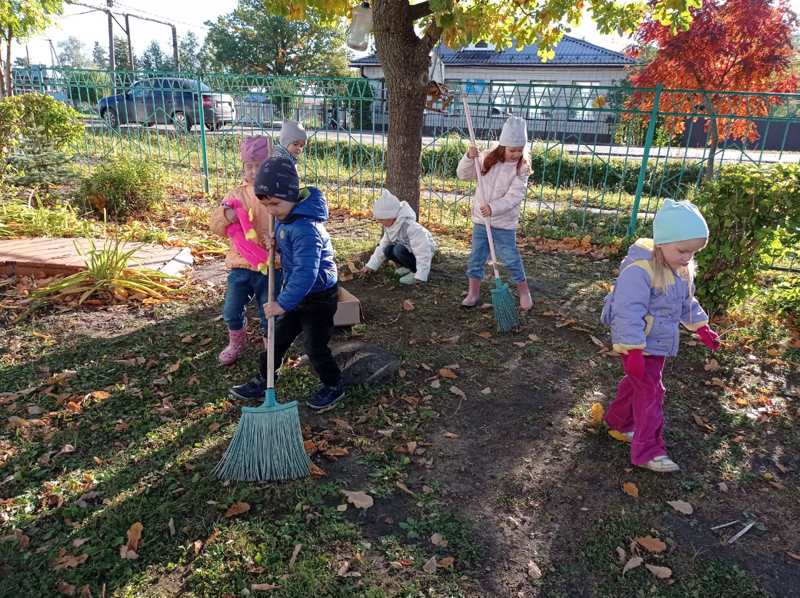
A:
(753, 214)
(37, 135)
(123, 187)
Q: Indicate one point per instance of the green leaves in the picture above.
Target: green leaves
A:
(753, 214)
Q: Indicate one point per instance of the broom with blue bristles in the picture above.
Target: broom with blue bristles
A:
(268, 442)
(505, 310)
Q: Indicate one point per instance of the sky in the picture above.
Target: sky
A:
(187, 15)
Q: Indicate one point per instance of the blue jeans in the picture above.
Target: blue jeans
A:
(400, 255)
(243, 286)
(505, 246)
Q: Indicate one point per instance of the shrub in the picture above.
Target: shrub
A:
(753, 214)
(123, 187)
(37, 134)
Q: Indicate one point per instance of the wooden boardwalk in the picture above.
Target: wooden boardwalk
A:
(48, 257)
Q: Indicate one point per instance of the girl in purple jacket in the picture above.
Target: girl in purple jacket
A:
(654, 294)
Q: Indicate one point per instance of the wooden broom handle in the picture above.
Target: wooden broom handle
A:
(487, 222)
(270, 299)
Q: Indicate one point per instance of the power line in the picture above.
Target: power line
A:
(134, 10)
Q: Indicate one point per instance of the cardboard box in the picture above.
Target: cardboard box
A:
(348, 312)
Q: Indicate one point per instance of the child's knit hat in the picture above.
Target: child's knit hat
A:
(254, 149)
(514, 133)
(291, 131)
(678, 221)
(277, 177)
(387, 206)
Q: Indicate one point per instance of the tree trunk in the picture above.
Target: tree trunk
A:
(405, 60)
(9, 89)
(713, 132)
(2, 70)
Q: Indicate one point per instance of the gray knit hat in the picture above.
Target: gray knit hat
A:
(292, 131)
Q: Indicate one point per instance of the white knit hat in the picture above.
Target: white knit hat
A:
(387, 206)
(515, 132)
(291, 131)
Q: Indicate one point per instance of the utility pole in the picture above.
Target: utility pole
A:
(175, 55)
(130, 45)
(112, 59)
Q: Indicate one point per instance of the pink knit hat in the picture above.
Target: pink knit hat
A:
(255, 149)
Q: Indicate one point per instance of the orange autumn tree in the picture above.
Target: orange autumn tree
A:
(730, 46)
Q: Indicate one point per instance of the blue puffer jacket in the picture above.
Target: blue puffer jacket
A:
(644, 317)
(305, 249)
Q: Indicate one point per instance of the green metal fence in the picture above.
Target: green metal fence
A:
(603, 157)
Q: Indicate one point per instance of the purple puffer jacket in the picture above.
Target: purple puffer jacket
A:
(643, 317)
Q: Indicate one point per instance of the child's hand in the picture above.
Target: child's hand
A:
(230, 215)
(709, 337)
(486, 211)
(273, 310)
(364, 272)
(633, 363)
(472, 152)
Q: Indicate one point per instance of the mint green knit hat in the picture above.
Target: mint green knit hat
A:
(678, 221)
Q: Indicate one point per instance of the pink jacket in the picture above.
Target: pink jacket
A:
(505, 189)
(218, 223)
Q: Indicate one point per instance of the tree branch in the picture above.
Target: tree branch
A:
(417, 11)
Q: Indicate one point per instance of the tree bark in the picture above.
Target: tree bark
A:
(713, 131)
(405, 60)
(9, 89)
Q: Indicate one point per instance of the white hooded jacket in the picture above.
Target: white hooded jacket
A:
(409, 233)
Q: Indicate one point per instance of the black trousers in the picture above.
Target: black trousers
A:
(314, 318)
(400, 255)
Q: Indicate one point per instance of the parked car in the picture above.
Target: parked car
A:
(165, 100)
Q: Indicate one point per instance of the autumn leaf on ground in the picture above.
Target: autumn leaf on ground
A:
(596, 413)
(485, 334)
(446, 562)
(632, 564)
(360, 500)
(310, 447)
(660, 572)
(263, 587)
(534, 572)
(448, 373)
(430, 565)
(65, 588)
(128, 551)
(317, 471)
(237, 508)
(438, 540)
(711, 366)
(335, 452)
(458, 392)
(450, 435)
(407, 305)
(651, 544)
(101, 395)
(69, 561)
(681, 506)
(630, 489)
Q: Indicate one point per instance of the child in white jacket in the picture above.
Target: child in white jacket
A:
(405, 241)
(504, 174)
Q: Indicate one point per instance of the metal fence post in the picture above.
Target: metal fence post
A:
(203, 148)
(648, 142)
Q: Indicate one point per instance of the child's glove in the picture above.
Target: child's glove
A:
(409, 278)
(709, 337)
(633, 363)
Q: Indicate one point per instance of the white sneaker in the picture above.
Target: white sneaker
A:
(401, 271)
(661, 464)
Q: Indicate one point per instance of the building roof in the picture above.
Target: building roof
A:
(570, 51)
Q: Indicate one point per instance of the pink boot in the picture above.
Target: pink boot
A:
(473, 297)
(237, 341)
(525, 299)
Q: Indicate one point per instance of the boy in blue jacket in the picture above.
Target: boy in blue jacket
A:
(307, 300)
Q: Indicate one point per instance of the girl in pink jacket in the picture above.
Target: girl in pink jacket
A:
(497, 201)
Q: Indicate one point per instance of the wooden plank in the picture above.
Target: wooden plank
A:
(59, 256)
